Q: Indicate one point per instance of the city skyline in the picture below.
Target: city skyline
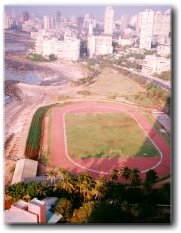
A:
(81, 10)
(87, 99)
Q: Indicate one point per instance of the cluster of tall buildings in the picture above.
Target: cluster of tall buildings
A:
(102, 44)
(154, 25)
(50, 22)
(62, 36)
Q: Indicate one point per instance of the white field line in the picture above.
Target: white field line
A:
(112, 108)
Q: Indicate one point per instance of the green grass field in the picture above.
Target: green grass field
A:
(34, 134)
(110, 84)
(94, 135)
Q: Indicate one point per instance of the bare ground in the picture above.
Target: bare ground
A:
(18, 115)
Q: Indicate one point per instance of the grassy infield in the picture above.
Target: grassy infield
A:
(93, 135)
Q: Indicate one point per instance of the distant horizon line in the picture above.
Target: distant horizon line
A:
(82, 9)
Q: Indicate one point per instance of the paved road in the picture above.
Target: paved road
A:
(160, 82)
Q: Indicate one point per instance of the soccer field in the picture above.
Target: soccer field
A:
(110, 135)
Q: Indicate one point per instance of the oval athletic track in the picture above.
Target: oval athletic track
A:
(96, 166)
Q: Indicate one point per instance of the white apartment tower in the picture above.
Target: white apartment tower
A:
(68, 49)
(100, 45)
(90, 29)
(162, 26)
(146, 33)
(109, 21)
(47, 22)
(124, 22)
(7, 20)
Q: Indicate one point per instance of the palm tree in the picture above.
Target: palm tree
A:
(125, 173)
(67, 181)
(52, 175)
(136, 210)
(125, 207)
(135, 177)
(44, 189)
(84, 185)
(151, 176)
(100, 189)
(114, 174)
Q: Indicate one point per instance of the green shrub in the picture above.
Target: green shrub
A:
(82, 214)
(64, 207)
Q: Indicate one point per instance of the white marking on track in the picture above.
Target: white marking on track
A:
(112, 108)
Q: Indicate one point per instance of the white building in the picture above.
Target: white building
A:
(32, 212)
(100, 45)
(24, 168)
(124, 22)
(162, 23)
(87, 21)
(164, 50)
(68, 49)
(47, 22)
(125, 42)
(7, 20)
(90, 29)
(147, 23)
(133, 20)
(109, 21)
(154, 64)
(154, 24)
(162, 26)
(49, 46)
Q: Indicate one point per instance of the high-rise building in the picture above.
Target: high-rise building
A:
(87, 21)
(47, 22)
(109, 21)
(58, 16)
(90, 29)
(7, 20)
(154, 26)
(146, 33)
(162, 26)
(133, 20)
(80, 24)
(100, 45)
(52, 23)
(124, 22)
(68, 49)
(25, 16)
(58, 20)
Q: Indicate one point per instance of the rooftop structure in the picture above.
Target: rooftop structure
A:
(154, 64)
(24, 168)
(164, 50)
(125, 42)
(35, 211)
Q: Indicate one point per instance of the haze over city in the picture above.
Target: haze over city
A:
(81, 10)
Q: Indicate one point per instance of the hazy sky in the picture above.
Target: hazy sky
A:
(81, 10)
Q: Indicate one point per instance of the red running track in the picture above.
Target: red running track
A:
(96, 166)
